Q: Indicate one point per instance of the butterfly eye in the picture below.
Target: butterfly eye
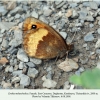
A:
(34, 27)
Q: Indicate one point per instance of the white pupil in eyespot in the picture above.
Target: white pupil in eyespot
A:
(33, 26)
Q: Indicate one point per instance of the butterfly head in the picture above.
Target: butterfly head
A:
(32, 24)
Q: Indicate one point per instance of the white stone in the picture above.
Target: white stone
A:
(48, 83)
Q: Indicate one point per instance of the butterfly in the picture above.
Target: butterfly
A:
(41, 41)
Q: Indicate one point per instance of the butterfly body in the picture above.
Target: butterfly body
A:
(42, 41)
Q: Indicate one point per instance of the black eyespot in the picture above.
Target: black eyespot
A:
(34, 27)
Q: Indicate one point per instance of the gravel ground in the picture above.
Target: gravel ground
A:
(17, 70)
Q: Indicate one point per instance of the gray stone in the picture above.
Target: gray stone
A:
(21, 55)
(34, 14)
(89, 18)
(17, 16)
(72, 5)
(86, 4)
(11, 69)
(15, 42)
(36, 61)
(16, 10)
(49, 68)
(83, 13)
(77, 73)
(89, 36)
(32, 72)
(63, 34)
(74, 14)
(91, 25)
(61, 24)
(57, 2)
(42, 18)
(6, 25)
(66, 85)
(45, 7)
(14, 51)
(18, 72)
(78, 24)
(2, 31)
(47, 12)
(3, 11)
(21, 65)
(25, 80)
(4, 43)
(93, 5)
(18, 34)
(85, 45)
(49, 75)
(30, 64)
(81, 69)
(1, 35)
(98, 30)
(97, 51)
(61, 4)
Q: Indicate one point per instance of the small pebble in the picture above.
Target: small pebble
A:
(25, 80)
(69, 13)
(34, 14)
(49, 68)
(89, 36)
(48, 83)
(7, 68)
(47, 12)
(36, 61)
(66, 85)
(22, 56)
(11, 69)
(6, 25)
(6, 85)
(18, 72)
(30, 64)
(32, 72)
(93, 5)
(21, 65)
(61, 4)
(15, 80)
(4, 43)
(63, 34)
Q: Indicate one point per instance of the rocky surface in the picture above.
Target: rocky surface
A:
(18, 70)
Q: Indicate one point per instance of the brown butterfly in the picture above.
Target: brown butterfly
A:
(42, 41)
